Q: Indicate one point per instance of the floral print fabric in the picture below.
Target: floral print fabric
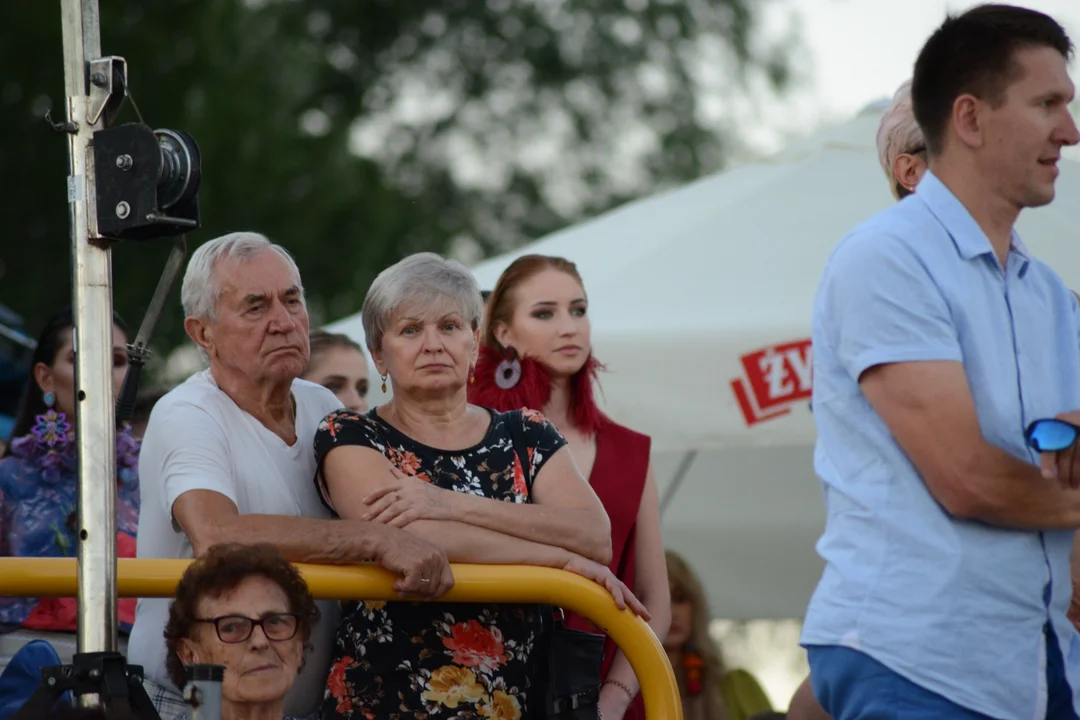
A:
(38, 490)
(419, 660)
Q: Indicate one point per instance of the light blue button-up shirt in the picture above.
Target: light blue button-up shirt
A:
(955, 606)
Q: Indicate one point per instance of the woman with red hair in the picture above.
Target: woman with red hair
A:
(536, 353)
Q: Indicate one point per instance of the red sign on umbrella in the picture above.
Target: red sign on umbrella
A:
(774, 379)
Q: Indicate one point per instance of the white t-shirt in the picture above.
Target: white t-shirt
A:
(199, 439)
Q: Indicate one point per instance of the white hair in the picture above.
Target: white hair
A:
(898, 133)
(426, 280)
(200, 292)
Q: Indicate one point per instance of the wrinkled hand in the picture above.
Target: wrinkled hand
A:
(408, 499)
(1064, 465)
(423, 568)
(600, 575)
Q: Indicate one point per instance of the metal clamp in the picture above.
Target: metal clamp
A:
(108, 88)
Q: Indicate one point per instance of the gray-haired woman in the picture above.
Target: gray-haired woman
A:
(487, 487)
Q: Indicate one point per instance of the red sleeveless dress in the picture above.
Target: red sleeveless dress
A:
(618, 479)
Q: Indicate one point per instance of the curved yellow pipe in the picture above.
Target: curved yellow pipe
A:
(55, 577)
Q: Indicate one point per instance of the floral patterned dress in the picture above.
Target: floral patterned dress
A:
(420, 660)
(38, 490)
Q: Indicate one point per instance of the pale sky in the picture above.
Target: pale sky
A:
(861, 50)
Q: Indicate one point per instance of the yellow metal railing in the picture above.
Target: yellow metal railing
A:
(55, 577)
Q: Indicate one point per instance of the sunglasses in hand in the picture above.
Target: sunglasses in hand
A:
(1051, 435)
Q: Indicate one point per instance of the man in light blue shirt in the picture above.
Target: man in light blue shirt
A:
(937, 338)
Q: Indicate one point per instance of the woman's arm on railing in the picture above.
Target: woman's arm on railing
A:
(565, 511)
(352, 472)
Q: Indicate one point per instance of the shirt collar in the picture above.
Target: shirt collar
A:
(969, 238)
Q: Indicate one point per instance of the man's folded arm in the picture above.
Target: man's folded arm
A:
(928, 407)
(890, 327)
(185, 452)
(209, 518)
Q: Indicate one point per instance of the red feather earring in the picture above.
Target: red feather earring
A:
(507, 382)
(510, 381)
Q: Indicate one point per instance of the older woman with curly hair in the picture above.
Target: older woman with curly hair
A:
(247, 608)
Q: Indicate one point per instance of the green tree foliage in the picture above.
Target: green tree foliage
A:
(355, 133)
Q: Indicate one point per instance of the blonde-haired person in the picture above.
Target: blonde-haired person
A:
(709, 690)
(900, 144)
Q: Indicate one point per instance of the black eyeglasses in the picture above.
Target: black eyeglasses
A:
(237, 628)
(915, 150)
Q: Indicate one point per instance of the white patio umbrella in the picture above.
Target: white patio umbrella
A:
(700, 300)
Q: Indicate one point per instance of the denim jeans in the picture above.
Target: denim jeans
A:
(850, 685)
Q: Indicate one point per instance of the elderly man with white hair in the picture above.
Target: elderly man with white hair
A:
(900, 144)
(228, 455)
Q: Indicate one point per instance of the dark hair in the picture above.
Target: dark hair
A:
(48, 346)
(975, 53)
(485, 295)
(220, 570)
(320, 341)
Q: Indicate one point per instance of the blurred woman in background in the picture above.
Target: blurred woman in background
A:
(338, 364)
(709, 691)
(38, 486)
(537, 353)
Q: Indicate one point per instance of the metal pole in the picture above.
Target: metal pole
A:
(95, 428)
(202, 694)
(677, 479)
